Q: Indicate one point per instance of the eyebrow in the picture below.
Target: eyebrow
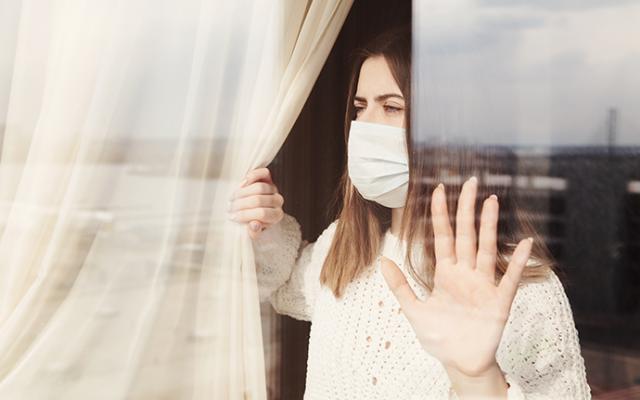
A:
(382, 97)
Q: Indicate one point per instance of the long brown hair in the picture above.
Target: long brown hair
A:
(362, 223)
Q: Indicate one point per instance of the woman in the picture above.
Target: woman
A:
(401, 305)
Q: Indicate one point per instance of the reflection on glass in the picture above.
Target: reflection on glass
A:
(554, 85)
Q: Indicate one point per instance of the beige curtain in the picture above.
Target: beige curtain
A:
(125, 126)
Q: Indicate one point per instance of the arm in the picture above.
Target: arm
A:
(540, 350)
(468, 316)
(288, 268)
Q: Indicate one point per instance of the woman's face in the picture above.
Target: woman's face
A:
(378, 98)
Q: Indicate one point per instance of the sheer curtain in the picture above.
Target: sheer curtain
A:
(125, 126)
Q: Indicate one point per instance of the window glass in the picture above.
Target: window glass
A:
(548, 92)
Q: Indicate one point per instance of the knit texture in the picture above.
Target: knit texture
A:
(361, 346)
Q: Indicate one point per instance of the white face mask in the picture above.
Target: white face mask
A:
(378, 162)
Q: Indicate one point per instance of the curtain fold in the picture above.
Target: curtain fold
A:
(125, 127)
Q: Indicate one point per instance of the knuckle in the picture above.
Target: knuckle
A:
(264, 172)
(279, 199)
(255, 201)
(262, 187)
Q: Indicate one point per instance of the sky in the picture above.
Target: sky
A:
(539, 73)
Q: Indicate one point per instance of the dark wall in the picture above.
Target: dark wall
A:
(308, 167)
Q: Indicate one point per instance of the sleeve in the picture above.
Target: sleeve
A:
(539, 351)
(288, 268)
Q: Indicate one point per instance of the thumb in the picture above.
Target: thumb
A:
(398, 285)
(255, 228)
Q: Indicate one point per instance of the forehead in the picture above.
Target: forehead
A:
(376, 78)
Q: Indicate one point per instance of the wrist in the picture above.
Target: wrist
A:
(487, 384)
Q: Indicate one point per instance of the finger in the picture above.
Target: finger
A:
(487, 242)
(261, 200)
(254, 189)
(255, 228)
(442, 232)
(263, 215)
(399, 286)
(509, 282)
(465, 240)
(258, 175)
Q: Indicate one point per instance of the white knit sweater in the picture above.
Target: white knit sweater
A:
(362, 347)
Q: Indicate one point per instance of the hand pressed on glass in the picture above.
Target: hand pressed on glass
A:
(462, 320)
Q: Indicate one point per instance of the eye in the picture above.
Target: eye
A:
(392, 109)
(358, 108)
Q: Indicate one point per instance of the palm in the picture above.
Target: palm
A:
(462, 320)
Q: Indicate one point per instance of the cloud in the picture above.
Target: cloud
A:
(543, 73)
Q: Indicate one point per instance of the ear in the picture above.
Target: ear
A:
(398, 285)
